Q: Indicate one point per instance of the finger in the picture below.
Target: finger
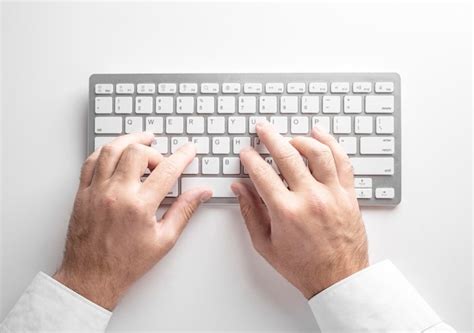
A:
(134, 161)
(177, 216)
(320, 159)
(87, 171)
(287, 158)
(342, 161)
(255, 215)
(268, 184)
(110, 153)
(165, 175)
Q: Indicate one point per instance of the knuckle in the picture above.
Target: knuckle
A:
(260, 171)
(109, 150)
(289, 214)
(134, 148)
(108, 200)
(169, 238)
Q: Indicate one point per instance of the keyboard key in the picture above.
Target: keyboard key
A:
(289, 104)
(342, 125)
(352, 104)
(108, 125)
(192, 168)
(144, 104)
(280, 124)
(237, 125)
(173, 193)
(339, 87)
(385, 193)
(231, 166)
(209, 166)
(226, 104)
(160, 144)
(220, 185)
(252, 122)
(323, 123)
(274, 88)
(299, 125)
(188, 88)
(104, 88)
(231, 88)
(154, 124)
(373, 165)
(363, 182)
(272, 163)
(185, 104)
(205, 104)
(373, 145)
(167, 88)
(296, 88)
(99, 141)
(103, 105)
(379, 104)
(247, 104)
(164, 104)
(310, 104)
(202, 144)
(252, 88)
(123, 105)
(268, 104)
(383, 87)
(331, 104)
(177, 142)
(363, 125)
(384, 125)
(220, 145)
(146, 88)
(216, 125)
(209, 88)
(349, 144)
(240, 143)
(363, 193)
(195, 125)
(362, 87)
(125, 88)
(174, 125)
(259, 146)
(133, 124)
(318, 87)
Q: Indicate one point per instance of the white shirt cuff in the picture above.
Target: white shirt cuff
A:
(48, 305)
(378, 298)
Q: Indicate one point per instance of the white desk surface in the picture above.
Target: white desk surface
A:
(213, 279)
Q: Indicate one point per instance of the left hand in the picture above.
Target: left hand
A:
(114, 236)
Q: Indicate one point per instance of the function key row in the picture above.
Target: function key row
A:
(248, 88)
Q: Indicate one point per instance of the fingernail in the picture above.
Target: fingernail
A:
(261, 123)
(205, 196)
(318, 128)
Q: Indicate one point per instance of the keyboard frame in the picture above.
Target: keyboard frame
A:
(378, 181)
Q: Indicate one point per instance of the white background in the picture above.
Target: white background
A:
(213, 279)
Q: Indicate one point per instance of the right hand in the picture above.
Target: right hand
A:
(311, 233)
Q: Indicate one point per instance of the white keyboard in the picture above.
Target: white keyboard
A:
(218, 113)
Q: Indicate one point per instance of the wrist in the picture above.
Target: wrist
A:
(94, 288)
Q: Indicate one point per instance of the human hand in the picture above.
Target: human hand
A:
(114, 236)
(311, 233)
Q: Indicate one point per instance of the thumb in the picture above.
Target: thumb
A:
(177, 216)
(255, 214)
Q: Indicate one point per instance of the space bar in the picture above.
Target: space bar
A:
(220, 186)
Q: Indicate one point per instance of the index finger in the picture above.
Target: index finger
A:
(164, 176)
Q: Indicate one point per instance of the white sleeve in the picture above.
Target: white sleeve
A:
(378, 298)
(47, 305)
